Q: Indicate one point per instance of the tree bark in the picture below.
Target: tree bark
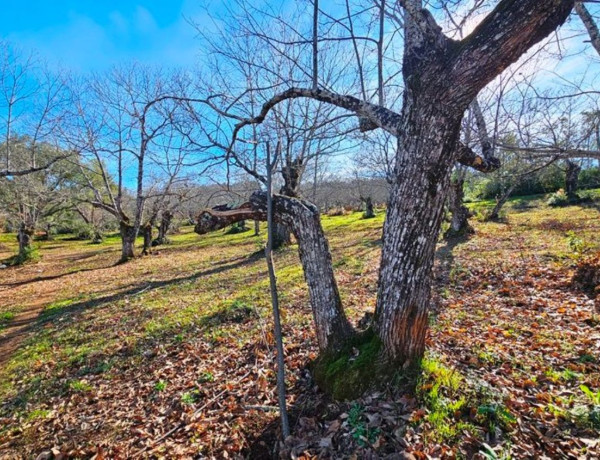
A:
(292, 172)
(256, 227)
(25, 237)
(590, 25)
(459, 224)
(426, 154)
(572, 179)
(163, 228)
(147, 233)
(128, 235)
(369, 212)
(500, 202)
(282, 235)
(332, 327)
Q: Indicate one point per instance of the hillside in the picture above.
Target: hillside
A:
(172, 354)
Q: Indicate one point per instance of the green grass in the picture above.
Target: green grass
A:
(213, 291)
(5, 318)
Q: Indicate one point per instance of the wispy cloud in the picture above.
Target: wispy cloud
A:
(93, 43)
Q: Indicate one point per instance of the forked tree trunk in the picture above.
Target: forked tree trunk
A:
(572, 179)
(128, 236)
(459, 223)
(441, 78)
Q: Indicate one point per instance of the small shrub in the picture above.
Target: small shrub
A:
(80, 386)
(206, 377)
(577, 244)
(190, 397)
(592, 414)
(558, 199)
(361, 432)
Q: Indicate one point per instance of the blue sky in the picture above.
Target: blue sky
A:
(94, 34)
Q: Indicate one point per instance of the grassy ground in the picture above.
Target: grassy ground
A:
(108, 358)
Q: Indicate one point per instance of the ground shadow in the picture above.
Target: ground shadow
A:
(28, 325)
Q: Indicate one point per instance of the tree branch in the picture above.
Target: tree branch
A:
(379, 116)
(467, 157)
(590, 25)
(511, 29)
(24, 172)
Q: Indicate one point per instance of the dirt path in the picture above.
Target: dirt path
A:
(26, 291)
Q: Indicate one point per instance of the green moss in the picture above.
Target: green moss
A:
(349, 373)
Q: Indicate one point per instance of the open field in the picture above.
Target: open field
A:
(98, 358)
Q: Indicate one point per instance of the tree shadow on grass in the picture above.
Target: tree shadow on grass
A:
(61, 313)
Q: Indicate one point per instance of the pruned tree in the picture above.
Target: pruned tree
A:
(440, 77)
(131, 125)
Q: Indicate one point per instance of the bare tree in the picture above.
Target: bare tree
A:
(30, 198)
(32, 103)
(129, 122)
(441, 77)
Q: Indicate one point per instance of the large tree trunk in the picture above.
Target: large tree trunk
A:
(426, 154)
(147, 233)
(459, 223)
(369, 212)
(163, 228)
(128, 235)
(441, 78)
(332, 327)
(572, 179)
(24, 237)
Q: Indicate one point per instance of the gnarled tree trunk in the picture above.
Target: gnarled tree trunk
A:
(292, 172)
(332, 326)
(163, 228)
(147, 233)
(441, 78)
(369, 212)
(128, 235)
(282, 235)
(25, 237)
(459, 223)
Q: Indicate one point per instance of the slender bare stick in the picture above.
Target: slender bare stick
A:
(271, 164)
